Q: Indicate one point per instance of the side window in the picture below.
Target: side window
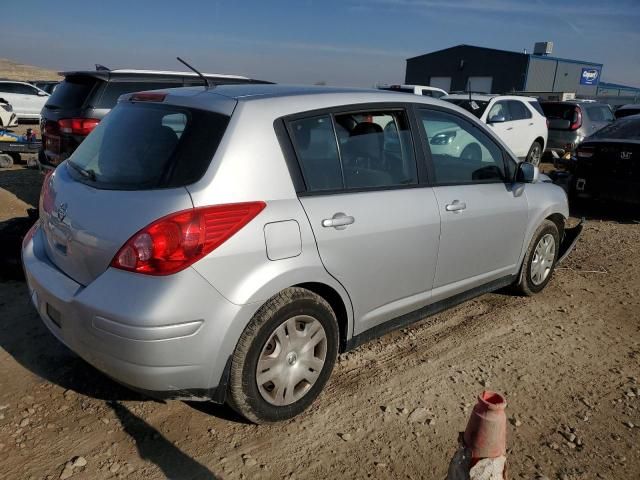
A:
(518, 110)
(8, 87)
(315, 145)
(598, 113)
(499, 110)
(25, 89)
(376, 149)
(537, 107)
(461, 153)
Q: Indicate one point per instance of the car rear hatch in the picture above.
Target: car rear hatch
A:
(130, 171)
(66, 120)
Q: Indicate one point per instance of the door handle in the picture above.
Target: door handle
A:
(531, 124)
(339, 221)
(510, 128)
(455, 206)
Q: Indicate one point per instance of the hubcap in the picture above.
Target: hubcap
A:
(543, 257)
(291, 360)
(535, 155)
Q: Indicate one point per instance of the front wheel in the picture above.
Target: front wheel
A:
(540, 259)
(284, 357)
(535, 154)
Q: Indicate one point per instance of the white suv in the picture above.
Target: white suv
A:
(518, 121)
(27, 100)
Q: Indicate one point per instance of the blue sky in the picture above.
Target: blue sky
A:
(348, 42)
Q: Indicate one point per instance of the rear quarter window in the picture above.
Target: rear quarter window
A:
(72, 92)
(536, 106)
(145, 146)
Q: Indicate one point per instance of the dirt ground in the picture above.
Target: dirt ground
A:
(568, 361)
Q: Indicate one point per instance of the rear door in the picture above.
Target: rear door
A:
(484, 215)
(505, 128)
(524, 130)
(375, 222)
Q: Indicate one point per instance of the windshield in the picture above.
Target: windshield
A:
(627, 128)
(477, 107)
(142, 146)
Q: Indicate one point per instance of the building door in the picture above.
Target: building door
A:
(479, 84)
(441, 82)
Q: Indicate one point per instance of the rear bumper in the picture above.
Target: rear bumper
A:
(166, 336)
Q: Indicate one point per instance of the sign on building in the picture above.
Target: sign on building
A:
(589, 76)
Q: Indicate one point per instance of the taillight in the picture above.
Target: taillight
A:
(148, 97)
(47, 199)
(78, 126)
(585, 152)
(176, 241)
(577, 119)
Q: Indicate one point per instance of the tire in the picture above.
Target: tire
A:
(535, 153)
(5, 160)
(532, 280)
(267, 343)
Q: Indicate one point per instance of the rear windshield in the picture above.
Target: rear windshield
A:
(113, 90)
(141, 146)
(477, 107)
(72, 92)
(626, 112)
(624, 129)
(559, 111)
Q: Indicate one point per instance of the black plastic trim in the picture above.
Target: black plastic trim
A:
(427, 311)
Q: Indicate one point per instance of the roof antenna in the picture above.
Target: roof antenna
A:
(207, 83)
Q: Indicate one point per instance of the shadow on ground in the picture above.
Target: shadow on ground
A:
(606, 210)
(154, 447)
(29, 342)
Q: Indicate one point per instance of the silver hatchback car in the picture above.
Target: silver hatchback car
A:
(226, 244)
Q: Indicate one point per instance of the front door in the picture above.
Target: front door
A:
(483, 214)
(377, 228)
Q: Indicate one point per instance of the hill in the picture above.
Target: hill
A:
(16, 71)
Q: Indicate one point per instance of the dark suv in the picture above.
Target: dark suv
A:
(572, 121)
(84, 97)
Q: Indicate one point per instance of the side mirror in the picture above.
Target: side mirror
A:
(497, 119)
(2, 100)
(527, 173)
(42, 94)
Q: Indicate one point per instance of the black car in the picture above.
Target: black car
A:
(83, 98)
(627, 110)
(607, 164)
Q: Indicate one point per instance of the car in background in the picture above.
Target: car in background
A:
(226, 244)
(627, 110)
(517, 120)
(607, 164)
(83, 98)
(27, 100)
(423, 90)
(47, 85)
(572, 121)
(8, 118)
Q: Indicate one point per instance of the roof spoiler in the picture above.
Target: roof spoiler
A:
(102, 68)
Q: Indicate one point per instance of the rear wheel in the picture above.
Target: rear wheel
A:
(535, 154)
(284, 357)
(540, 259)
(5, 160)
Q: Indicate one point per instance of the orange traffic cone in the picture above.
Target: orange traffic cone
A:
(486, 432)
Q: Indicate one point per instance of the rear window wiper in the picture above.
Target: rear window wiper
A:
(89, 173)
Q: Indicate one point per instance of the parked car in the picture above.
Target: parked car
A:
(8, 118)
(627, 110)
(47, 85)
(571, 122)
(607, 164)
(517, 120)
(242, 236)
(416, 90)
(85, 97)
(26, 100)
